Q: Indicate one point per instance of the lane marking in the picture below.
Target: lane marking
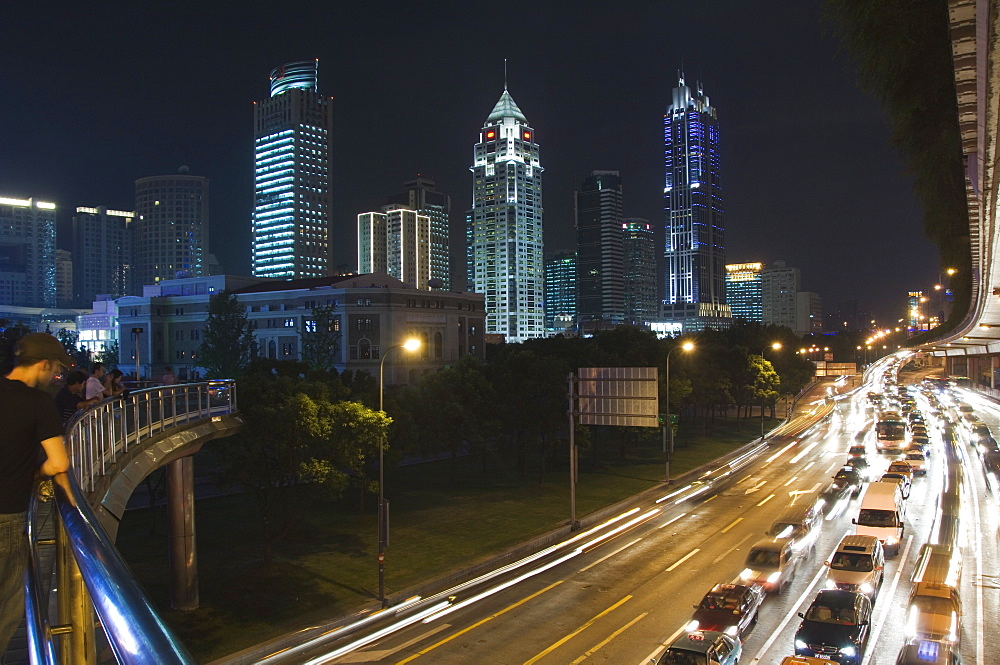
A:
(684, 558)
(608, 556)
(732, 524)
(576, 632)
(376, 655)
(807, 466)
(594, 649)
(663, 645)
(771, 496)
(671, 521)
(711, 498)
(803, 453)
(479, 623)
(887, 606)
(730, 550)
(833, 466)
(790, 481)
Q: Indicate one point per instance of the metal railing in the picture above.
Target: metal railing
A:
(91, 576)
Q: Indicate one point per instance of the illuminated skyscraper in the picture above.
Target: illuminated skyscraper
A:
(27, 253)
(504, 239)
(396, 241)
(695, 293)
(639, 248)
(600, 285)
(292, 157)
(171, 227)
(560, 291)
(743, 291)
(103, 254)
(421, 195)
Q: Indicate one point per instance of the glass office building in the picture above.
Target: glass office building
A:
(560, 291)
(600, 285)
(641, 287)
(743, 291)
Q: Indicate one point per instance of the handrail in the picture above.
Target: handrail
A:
(96, 439)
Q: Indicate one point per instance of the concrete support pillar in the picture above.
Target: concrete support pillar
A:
(181, 542)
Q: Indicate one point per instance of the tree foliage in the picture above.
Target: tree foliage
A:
(321, 339)
(10, 333)
(228, 343)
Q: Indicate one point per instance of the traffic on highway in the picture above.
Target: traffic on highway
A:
(862, 532)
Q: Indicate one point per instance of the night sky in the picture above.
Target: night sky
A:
(95, 95)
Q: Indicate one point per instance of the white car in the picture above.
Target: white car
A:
(918, 462)
(900, 479)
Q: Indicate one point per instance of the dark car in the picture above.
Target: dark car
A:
(729, 606)
(850, 478)
(835, 627)
(928, 652)
(702, 647)
(859, 450)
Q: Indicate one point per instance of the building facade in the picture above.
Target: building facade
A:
(397, 242)
(27, 253)
(808, 313)
(743, 291)
(505, 252)
(641, 287)
(64, 278)
(421, 194)
(103, 251)
(171, 227)
(560, 291)
(292, 173)
(694, 254)
(373, 312)
(600, 261)
(779, 300)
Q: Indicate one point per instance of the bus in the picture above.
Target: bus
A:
(890, 433)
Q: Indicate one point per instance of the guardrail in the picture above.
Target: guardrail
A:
(91, 575)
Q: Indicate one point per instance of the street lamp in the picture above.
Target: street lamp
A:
(775, 346)
(411, 344)
(667, 425)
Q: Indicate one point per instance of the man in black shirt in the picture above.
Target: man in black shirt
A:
(29, 419)
(70, 399)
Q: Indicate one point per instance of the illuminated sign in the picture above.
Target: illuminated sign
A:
(527, 136)
(491, 134)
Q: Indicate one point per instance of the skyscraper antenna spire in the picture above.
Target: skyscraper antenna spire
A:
(505, 73)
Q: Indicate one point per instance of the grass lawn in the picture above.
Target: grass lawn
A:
(444, 515)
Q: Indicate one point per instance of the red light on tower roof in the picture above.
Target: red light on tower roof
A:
(491, 134)
(527, 136)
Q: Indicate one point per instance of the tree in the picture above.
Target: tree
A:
(228, 344)
(321, 339)
(108, 355)
(70, 340)
(10, 333)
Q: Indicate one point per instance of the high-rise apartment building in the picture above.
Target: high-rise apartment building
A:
(779, 286)
(103, 251)
(292, 171)
(504, 240)
(641, 286)
(27, 253)
(396, 242)
(560, 291)
(743, 291)
(694, 253)
(808, 313)
(171, 227)
(600, 282)
(64, 278)
(421, 195)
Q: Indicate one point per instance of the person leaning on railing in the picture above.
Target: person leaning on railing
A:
(30, 419)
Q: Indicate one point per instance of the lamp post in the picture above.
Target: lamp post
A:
(411, 344)
(667, 425)
(775, 346)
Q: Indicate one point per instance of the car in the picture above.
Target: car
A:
(991, 466)
(901, 466)
(917, 461)
(915, 417)
(836, 627)
(849, 477)
(928, 652)
(728, 608)
(918, 429)
(987, 445)
(901, 479)
(857, 565)
(702, 647)
(860, 465)
(859, 450)
(923, 442)
(771, 563)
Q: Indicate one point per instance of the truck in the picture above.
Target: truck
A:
(881, 515)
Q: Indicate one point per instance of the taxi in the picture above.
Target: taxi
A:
(728, 608)
(702, 647)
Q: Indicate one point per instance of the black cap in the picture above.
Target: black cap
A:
(42, 346)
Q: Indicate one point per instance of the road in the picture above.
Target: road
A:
(619, 592)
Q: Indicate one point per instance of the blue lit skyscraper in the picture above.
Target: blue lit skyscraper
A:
(292, 194)
(694, 253)
(27, 253)
(560, 290)
(504, 239)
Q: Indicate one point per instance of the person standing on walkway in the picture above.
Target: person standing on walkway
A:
(30, 420)
(169, 378)
(70, 399)
(95, 384)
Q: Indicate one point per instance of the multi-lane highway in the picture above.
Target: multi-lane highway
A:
(620, 591)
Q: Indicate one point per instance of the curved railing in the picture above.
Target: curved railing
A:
(92, 577)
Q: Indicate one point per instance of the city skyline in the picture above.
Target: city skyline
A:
(797, 124)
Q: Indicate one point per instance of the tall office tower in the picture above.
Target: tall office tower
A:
(27, 253)
(695, 293)
(421, 195)
(779, 286)
(104, 247)
(397, 242)
(639, 250)
(292, 168)
(64, 278)
(808, 313)
(600, 282)
(171, 227)
(743, 291)
(560, 291)
(504, 243)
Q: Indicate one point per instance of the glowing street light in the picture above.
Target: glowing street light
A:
(669, 448)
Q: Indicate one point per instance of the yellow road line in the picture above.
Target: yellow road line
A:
(734, 523)
(479, 623)
(594, 649)
(684, 558)
(576, 632)
(765, 500)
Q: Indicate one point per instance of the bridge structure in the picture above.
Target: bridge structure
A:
(76, 581)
